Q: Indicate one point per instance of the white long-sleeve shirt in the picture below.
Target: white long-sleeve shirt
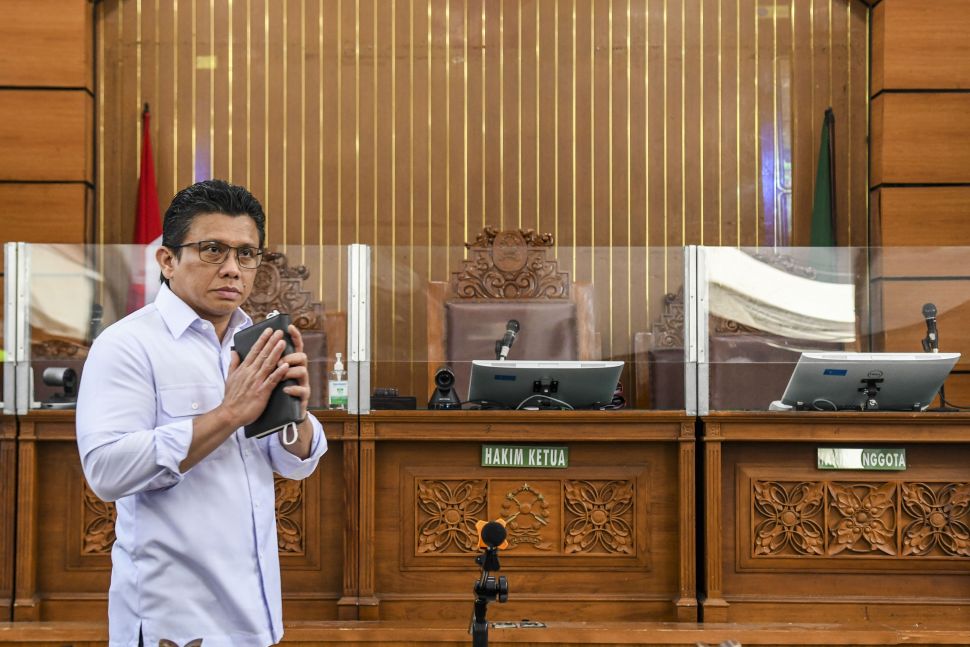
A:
(195, 554)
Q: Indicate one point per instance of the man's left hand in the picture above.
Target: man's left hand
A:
(298, 371)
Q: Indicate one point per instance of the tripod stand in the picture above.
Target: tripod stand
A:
(491, 537)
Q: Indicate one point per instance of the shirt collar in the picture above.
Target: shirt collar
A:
(178, 315)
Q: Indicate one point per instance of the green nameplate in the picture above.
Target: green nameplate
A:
(842, 458)
(525, 456)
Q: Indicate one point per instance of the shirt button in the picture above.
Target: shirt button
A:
(195, 405)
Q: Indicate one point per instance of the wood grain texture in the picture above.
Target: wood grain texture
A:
(920, 139)
(46, 213)
(920, 45)
(898, 320)
(859, 588)
(47, 43)
(415, 579)
(46, 135)
(921, 216)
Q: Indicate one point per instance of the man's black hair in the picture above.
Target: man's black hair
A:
(208, 196)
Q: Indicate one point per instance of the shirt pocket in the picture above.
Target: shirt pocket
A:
(188, 400)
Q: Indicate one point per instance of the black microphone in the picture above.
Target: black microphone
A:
(493, 534)
(931, 343)
(511, 328)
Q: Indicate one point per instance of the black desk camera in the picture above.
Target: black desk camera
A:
(444, 395)
(63, 377)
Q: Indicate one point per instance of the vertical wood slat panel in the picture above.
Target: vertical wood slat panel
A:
(680, 156)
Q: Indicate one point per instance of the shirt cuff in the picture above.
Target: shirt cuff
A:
(172, 445)
(291, 466)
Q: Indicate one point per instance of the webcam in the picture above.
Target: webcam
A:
(444, 395)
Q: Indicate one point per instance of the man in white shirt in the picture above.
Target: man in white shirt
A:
(161, 407)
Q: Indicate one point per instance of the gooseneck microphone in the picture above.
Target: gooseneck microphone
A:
(502, 348)
(931, 343)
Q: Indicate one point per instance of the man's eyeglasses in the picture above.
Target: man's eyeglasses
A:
(212, 251)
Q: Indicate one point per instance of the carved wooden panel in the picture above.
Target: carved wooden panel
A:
(884, 518)
(565, 517)
(98, 519)
(510, 264)
(868, 522)
(290, 520)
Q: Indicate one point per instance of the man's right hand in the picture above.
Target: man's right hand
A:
(248, 387)
(250, 382)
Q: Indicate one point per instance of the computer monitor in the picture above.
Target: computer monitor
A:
(884, 381)
(537, 384)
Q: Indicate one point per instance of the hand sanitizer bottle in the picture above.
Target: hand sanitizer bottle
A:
(337, 385)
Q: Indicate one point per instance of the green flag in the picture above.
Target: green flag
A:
(823, 208)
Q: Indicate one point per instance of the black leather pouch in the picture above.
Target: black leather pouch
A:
(282, 408)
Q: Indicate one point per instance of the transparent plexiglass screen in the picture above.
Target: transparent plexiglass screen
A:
(834, 310)
(582, 327)
(76, 291)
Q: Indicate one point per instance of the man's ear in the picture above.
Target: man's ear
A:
(166, 261)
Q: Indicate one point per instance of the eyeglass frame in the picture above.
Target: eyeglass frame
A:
(198, 244)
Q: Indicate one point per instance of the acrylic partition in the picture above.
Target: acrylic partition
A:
(764, 309)
(71, 293)
(584, 327)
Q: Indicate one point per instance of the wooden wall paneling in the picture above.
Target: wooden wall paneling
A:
(64, 533)
(45, 213)
(878, 49)
(347, 606)
(686, 603)
(922, 46)
(46, 135)
(368, 600)
(900, 323)
(922, 216)
(621, 159)
(920, 139)
(26, 600)
(46, 43)
(8, 518)
(314, 517)
(714, 607)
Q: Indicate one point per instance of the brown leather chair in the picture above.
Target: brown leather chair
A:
(508, 275)
(278, 286)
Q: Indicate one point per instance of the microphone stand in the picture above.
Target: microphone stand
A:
(930, 346)
(487, 589)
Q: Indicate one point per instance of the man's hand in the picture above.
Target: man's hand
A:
(297, 361)
(298, 370)
(251, 381)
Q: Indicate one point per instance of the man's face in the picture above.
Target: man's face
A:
(213, 291)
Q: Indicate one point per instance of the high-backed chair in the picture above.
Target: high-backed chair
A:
(278, 286)
(508, 275)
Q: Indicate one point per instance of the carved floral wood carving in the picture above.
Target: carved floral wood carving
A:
(526, 512)
(510, 265)
(447, 512)
(278, 286)
(598, 517)
(289, 516)
(838, 519)
(98, 521)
